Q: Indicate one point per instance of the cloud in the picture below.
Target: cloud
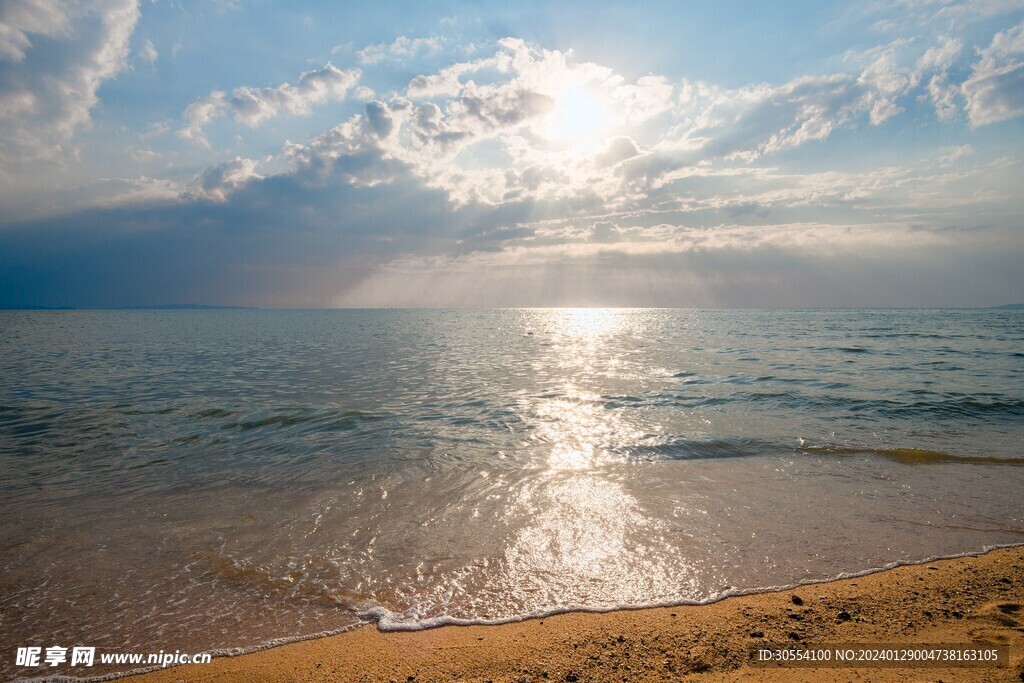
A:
(944, 96)
(728, 275)
(953, 154)
(754, 121)
(148, 53)
(885, 81)
(461, 190)
(650, 96)
(21, 18)
(921, 16)
(751, 122)
(253, 106)
(46, 95)
(363, 93)
(619, 149)
(143, 155)
(941, 56)
(141, 190)
(995, 90)
(494, 142)
(401, 49)
(349, 224)
(217, 182)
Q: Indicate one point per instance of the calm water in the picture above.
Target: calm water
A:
(222, 479)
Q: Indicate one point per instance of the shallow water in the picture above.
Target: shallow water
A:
(191, 480)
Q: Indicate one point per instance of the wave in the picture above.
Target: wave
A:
(292, 585)
(321, 419)
(832, 404)
(389, 621)
(701, 449)
(913, 456)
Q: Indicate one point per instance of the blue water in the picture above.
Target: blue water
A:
(223, 479)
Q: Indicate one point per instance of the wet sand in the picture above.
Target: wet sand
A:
(974, 599)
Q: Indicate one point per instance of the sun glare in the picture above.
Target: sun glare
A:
(578, 115)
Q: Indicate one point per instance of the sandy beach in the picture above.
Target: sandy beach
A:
(974, 599)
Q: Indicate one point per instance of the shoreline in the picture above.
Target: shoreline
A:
(966, 599)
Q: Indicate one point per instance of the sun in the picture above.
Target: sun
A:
(578, 116)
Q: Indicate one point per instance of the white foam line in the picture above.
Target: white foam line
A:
(384, 621)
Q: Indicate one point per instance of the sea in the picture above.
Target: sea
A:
(226, 480)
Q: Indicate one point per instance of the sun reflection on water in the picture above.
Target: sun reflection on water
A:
(580, 430)
(588, 323)
(580, 531)
(583, 433)
(580, 527)
(589, 541)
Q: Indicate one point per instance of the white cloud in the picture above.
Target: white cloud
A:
(995, 90)
(148, 53)
(46, 98)
(253, 106)
(649, 97)
(493, 142)
(144, 155)
(401, 49)
(953, 154)
(114, 192)
(448, 81)
(940, 56)
(922, 16)
(937, 60)
(481, 131)
(944, 96)
(995, 95)
(363, 93)
(21, 18)
(220, 180)
(886, 79)
(750, 122)
(972, 10)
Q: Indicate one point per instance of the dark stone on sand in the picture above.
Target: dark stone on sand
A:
(797, 600)
(757, 634)
(843, 616)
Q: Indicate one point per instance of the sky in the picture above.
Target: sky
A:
(323, 154)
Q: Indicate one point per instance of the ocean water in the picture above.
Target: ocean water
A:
(219, 480)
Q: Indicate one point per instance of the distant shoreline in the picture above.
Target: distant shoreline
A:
(163, 307)
(205, 307)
